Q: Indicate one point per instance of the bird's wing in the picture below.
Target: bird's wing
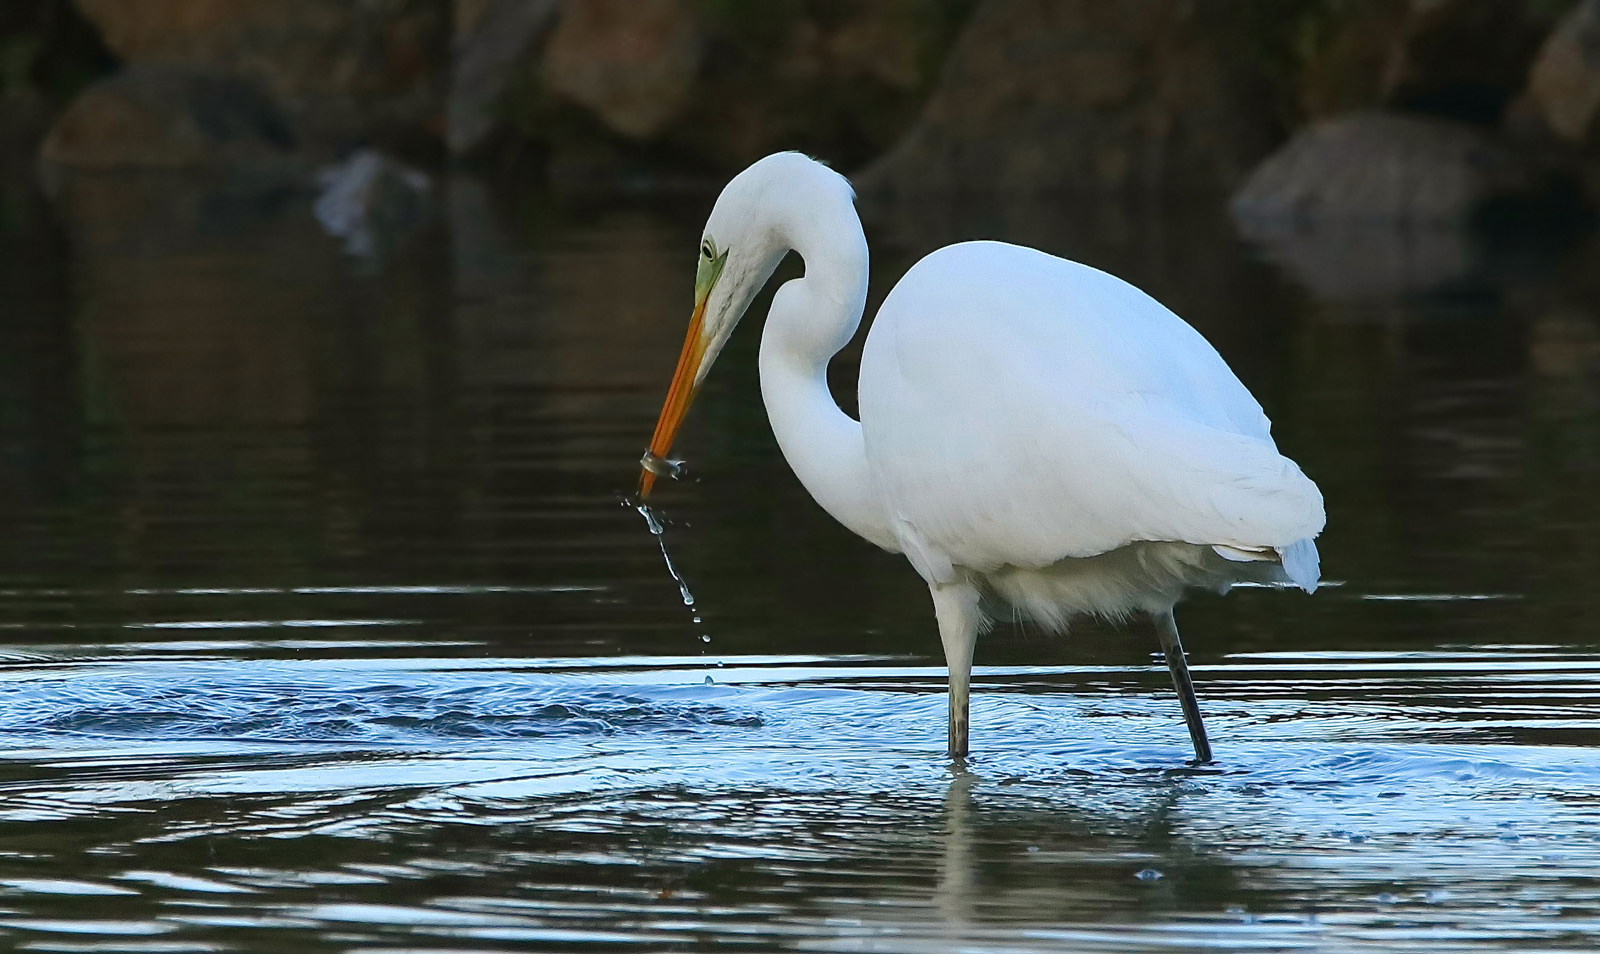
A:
(1018, 408)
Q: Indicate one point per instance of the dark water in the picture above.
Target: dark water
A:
(327, 627)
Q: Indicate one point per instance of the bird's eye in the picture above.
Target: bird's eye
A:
(706, 250)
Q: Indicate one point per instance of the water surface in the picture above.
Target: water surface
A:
(327, 626)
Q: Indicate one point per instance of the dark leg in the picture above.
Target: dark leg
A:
(956, 607)
(1172, 649)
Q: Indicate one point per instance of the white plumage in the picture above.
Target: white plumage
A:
(1033, 430)
(1020, 408)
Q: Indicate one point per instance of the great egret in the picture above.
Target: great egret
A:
(1034, 433)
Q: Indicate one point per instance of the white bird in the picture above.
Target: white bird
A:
(1035, 434)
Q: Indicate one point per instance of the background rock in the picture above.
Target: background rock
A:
(631, 89)
(344, 72)
(1465, 59)
(632, 63)
(1379, 167)
(163, 118)
(1356, 261)
(1345, 63)
(1564, 84)
(492, 38)
(1024, 95)
(1077, 94)
(48, 53)
(1461, 59)
(842, 81)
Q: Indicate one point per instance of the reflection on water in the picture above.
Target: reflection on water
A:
(327, 624)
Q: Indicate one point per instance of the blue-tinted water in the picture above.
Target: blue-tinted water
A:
(327, 625)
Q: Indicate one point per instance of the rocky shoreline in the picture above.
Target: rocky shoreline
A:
(1421, 112)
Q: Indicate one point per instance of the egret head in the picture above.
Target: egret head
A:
(745, 238)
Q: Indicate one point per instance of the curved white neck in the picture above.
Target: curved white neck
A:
(810, 320)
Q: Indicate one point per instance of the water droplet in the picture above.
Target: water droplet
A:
(710, 681)
(650, 519)
(661, 540)
(1387, 898)
(705, 638)
(1149, 874)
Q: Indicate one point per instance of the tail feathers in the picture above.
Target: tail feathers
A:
(1237, 554)
(1301, 564)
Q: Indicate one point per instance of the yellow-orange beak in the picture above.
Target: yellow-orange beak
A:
(678, 396)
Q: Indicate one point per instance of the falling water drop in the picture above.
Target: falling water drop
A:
(650, 519)
(661, 541)
(658, 530)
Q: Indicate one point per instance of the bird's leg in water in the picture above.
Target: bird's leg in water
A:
(1172, 649)
(955, 605)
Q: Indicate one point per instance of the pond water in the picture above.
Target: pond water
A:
(327, 625)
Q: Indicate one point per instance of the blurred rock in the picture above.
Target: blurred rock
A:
(343, 71)
(22, 127)
(48, 54)
(1347, 67)
(653, 92)
(493, 38)
(1465, 59)
(632, 63)
(1461, 59)
(1077, 94)
(1380, 167)
(1564, 84)
(161, 118)
(370, 201)
(1347, 261)
(842, 81)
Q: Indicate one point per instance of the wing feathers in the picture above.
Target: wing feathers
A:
(1018, 409)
